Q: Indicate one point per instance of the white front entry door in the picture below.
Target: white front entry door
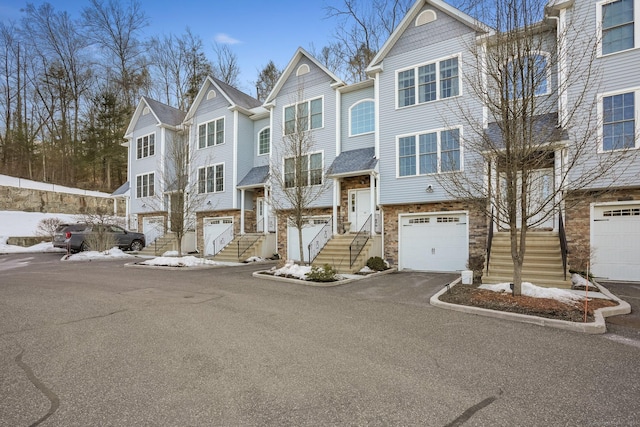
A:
(433, 242)
(359, 207)
(615, 241)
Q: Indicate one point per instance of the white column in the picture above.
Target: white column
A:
(372, 201)
(242, 211)
(336, 203)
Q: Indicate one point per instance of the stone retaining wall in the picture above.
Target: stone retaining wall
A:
(31, 200)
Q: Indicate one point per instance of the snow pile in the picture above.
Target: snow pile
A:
(291, 269)
(186, 261)
(170, 253)
(113, 253)
(254, 259)
(366, 270)
(38, 248)
(580, 282)
(534, 291)
(24, 224)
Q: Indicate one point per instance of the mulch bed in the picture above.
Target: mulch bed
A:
(471, 295)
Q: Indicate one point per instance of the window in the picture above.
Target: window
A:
(304, 113)
(427, 153)
(533, 70)
(264, 141)
(618, 122)
(211, 179)
(617, 26)
(310, 168)
(436, 80)
(211, 133)
(146, 146)
(145, 185)
(362, 118)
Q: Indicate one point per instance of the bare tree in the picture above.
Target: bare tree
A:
(524, 131)
(363, 26)
(226, 66)
(297, 173)
(267, 79)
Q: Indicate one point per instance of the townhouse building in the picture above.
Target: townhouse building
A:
(384, 148)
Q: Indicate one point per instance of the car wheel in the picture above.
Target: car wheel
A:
(136, 246)
(84, 247)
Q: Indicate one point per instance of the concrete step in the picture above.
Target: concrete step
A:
(336, 254)
(247, 242)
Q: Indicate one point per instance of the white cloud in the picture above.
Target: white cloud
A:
(225, 39)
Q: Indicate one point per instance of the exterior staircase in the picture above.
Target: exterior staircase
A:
(245, 244)
(336, 254)
(542, 260)
(161, 245)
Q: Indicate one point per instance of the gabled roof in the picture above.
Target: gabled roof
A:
(291, 68)
(164, 114)
(256, 177)
(233, 96)
(410, 18)
(121, 191)
(354, 162)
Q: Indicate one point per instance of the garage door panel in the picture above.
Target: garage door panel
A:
(615, 241)
(433, 242)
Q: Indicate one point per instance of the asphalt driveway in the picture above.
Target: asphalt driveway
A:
(96, 343)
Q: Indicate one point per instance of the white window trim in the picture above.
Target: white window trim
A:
(154, 185)
(154, 145)
(547, 56)
(308, 101)
(600, 107)
(636, 28)
(374, 117)
(224, 180)
(437, 131)
(224, 130)
(415, 76)
(258, 141)
(321, 152)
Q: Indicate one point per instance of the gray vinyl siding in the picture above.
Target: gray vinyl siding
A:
(258, 126)
(144, 121)
(208, 110)
(145, 125)
(618, 74)
(422, 117)
(347, 101)
(245, 147)
(309, 86)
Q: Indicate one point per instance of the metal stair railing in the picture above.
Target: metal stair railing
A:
(564, 249)
(320, 241)
(489, 240)
(251, 239)
(220, 242)
(361, 239)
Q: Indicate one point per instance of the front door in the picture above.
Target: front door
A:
(359, 208)
(540, 199)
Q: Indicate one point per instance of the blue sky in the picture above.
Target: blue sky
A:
(258, 31)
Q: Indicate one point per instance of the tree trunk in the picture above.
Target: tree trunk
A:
(300, 243)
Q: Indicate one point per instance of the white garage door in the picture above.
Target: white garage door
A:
(615, 240)
(433, 242)
(218, 232)
(310, 230)
(152, 227)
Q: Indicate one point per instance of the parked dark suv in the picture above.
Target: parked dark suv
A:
(73, 237)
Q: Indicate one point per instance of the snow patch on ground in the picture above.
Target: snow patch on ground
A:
(534, 291)
(25, 224)
(185, 261)
(291, 269)
(113, 253)
(366, 270)
(254, 259)
(38, 248)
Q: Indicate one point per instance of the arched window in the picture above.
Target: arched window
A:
(425, 17)
(362, 117)
(211, 94)
(302, 70)
(264, 141)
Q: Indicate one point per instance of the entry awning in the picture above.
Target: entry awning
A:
(354, 162)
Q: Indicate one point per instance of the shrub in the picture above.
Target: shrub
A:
(326, 273)
(377, 264)
(47, 227)
(100, 240)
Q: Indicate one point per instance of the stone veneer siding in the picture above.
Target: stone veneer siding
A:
(200, 216)
(578, 221)
(282, 227)
(32, 200)
(351, 183)
(478, 223)
(142, 216)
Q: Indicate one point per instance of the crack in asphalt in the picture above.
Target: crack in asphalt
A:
(466, 415)
(49, 394)
(100, 316)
